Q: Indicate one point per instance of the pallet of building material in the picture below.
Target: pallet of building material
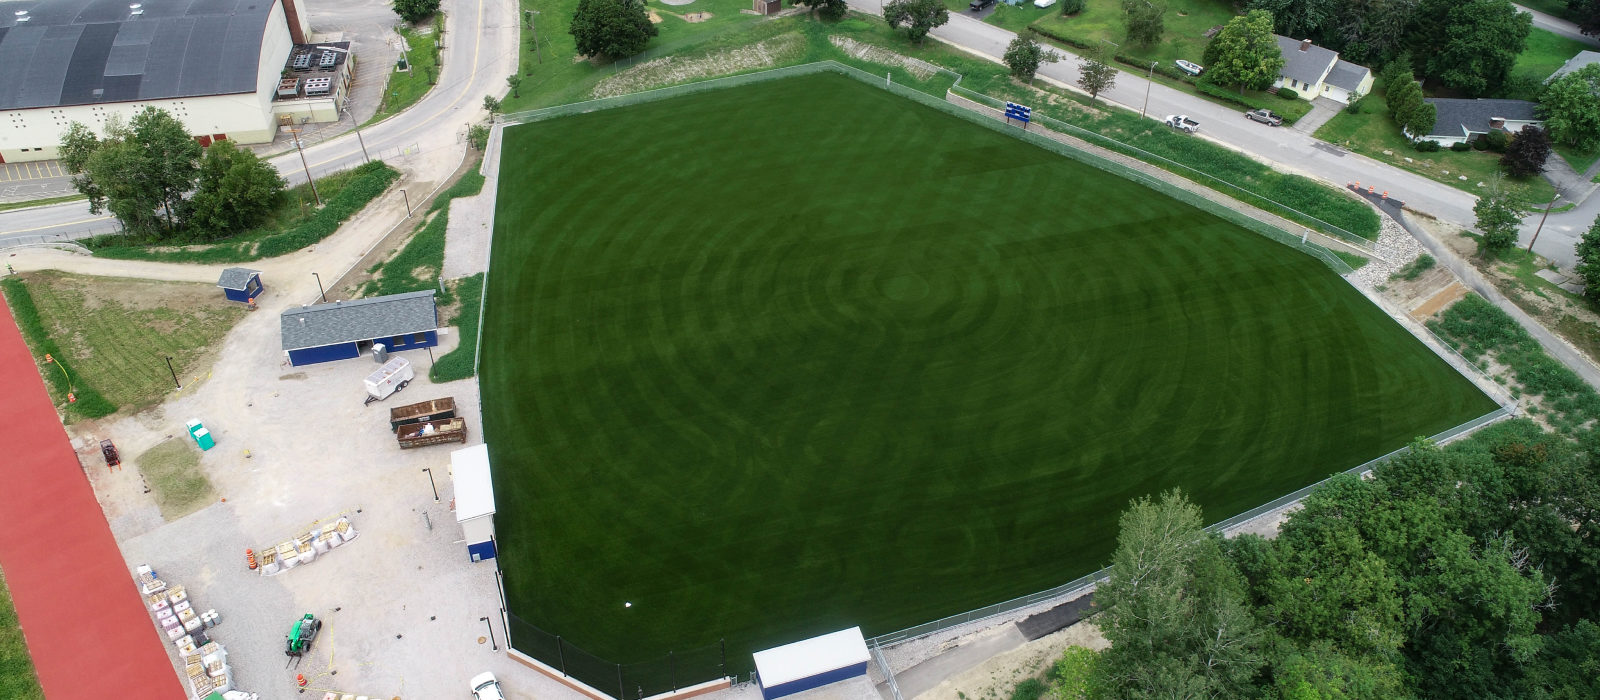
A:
(421, 412)
(434, 432)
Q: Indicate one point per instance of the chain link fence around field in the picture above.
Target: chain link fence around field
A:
(679, 669)
(1277, 233)
(685, 668)
(1076, 587)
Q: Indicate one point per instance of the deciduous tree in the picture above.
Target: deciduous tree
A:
(611, 28)
(917, 16)
(1528, 151)
(1095, 73)
(1025, 54)
(1245, 53)
(1589, 262)
(236, 191)
(1477, 46)
(1145, 20)
(1298, 18)
(1499, 215)
(1570, 108)
(415, 11)
(139, 172)
(826, 9)
(1175, 610)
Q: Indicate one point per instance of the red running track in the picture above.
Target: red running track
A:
(84, 620)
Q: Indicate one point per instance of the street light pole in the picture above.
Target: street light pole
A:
(303, 164)
(491, 633)
(1150, 80)
(408, 203)
(431, 484)
(364, 157)
(1541, 222)
(319, 287)
(174, 373)
(535, 27)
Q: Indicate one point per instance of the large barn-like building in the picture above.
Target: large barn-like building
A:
(213, 64)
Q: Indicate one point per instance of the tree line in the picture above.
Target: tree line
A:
(160, 184)
(1464, 571)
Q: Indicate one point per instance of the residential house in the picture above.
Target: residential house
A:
(1313, 71)
(1577, 62)
(1460, 121)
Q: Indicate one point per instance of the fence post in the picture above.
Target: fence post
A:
(561, 653)
(672, 666)
(622, 690)
(724, 663)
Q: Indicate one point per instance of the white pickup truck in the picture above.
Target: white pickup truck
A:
(1182, 122)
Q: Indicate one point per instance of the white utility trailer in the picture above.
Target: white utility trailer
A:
(393, 376)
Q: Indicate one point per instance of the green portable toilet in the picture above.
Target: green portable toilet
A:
(202, 437)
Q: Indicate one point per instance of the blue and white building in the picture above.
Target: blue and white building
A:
(344, 330)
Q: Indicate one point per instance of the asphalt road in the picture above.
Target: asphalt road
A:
(1285, 148)
(480, 50)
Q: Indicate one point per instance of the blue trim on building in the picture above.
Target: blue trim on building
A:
(352, 350)
(252, 289)
(485, 550)
(326, 353)
(816, 681)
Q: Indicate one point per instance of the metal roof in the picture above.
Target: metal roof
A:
(358, 319)
(1307, 66)
(1347, 75)
(1456, 118)
(76, 52)
(469, 470)
(811, 657)
(236, 277)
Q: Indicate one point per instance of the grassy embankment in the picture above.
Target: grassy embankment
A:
(405, 88)
(561, 78)
(298, 223)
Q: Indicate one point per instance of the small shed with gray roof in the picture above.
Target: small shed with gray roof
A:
(240, 284)
(347, 329)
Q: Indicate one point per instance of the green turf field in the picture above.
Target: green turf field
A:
(771, 361)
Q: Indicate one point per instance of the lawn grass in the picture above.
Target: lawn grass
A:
(418, 264)
(6, 206)
(298, 223)
(1580, 161)
(1555, 8)
(559, 77)
(114, 334)
(1543, 54)
(1373, 131)
(763, 388)
(404, 89)
(1103, 20)
(460, 362)
(172, 470)
(17, 678)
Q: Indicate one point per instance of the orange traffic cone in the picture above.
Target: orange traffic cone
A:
(250, 557)
(300, 679)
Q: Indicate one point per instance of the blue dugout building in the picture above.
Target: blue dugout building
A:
(348, 329)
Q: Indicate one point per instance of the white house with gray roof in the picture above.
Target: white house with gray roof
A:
(1313, 71)
(1459, 121)
(346, 329)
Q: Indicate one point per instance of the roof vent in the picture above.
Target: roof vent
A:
(302, 320)
(23, 18)
(135, 6)
(20, 13)
(135, 13)
(1305, 44)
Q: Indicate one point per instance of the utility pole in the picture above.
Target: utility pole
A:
(408, 203)
(174, 372)
(1541, 222)
(1151, 80)
(319, 287)
(303, 164)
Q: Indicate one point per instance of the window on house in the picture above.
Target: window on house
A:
(397, 341)
(419, 337)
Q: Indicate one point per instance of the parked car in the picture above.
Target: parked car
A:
(485, 687)
(1182, 122)
(1043, 3)
(1188, 67)
(1265, 117)
(977, 5)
